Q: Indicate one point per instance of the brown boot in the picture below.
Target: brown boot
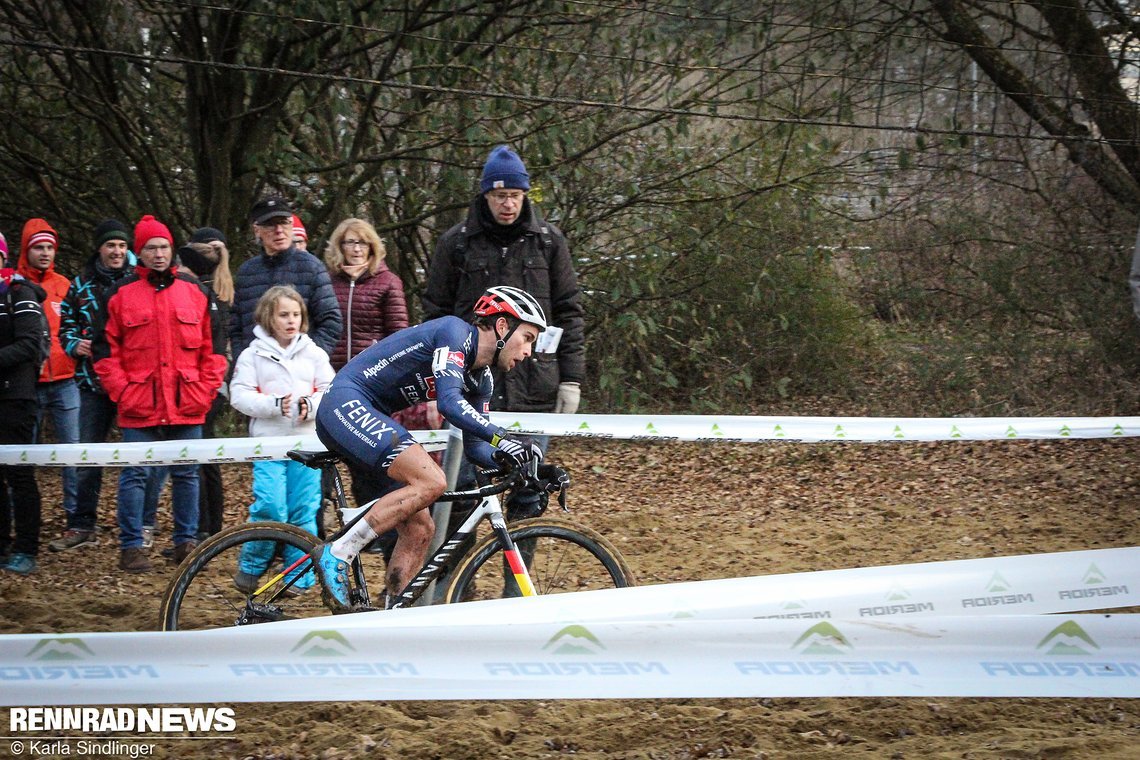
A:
(182, 551)
(134, 561)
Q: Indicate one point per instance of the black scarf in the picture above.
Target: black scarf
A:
(503, 234)
(160, 280)
(108, 273)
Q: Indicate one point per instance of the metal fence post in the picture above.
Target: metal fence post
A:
(441, 512)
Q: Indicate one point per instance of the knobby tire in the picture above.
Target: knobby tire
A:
(562, 557)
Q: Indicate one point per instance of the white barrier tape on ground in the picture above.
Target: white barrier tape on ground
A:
(617, 426)
(1080, 581)
(220, 450)
(664, 427)
(996, 656)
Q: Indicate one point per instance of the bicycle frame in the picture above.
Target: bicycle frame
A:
(489, 508)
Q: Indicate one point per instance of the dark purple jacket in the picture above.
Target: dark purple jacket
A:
(373, 307)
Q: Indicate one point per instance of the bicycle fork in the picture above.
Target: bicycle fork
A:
(513, 556)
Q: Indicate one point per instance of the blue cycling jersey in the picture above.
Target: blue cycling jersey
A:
(428, 362)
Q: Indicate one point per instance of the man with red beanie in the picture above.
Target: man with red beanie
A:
(300, 234)
(160, 354)
(56, 391)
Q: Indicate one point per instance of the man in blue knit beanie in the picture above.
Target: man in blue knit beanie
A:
(505, 241)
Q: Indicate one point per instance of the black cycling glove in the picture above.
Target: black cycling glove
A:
(520, 451)
(553, 478)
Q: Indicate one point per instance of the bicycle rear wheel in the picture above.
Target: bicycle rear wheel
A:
(204, 594)
(561, 557)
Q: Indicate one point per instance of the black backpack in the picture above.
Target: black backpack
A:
(44, 330)
(545, 240)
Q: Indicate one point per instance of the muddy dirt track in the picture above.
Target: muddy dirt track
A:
(682, 512)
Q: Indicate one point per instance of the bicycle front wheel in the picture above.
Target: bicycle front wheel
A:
(277, 580)
(561, 557)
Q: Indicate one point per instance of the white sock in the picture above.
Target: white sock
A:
(352, 543)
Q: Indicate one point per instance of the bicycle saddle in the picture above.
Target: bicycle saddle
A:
(314, 459)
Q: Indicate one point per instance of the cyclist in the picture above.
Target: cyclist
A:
(447, 360)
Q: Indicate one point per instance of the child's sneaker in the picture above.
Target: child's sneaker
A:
(334, 577)
(246, 583)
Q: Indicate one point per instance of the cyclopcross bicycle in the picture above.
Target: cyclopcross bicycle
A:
(541, 555)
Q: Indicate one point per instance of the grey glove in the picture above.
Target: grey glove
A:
(569, 395)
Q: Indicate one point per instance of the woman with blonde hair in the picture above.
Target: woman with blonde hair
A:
(371, 298)
(370, 295)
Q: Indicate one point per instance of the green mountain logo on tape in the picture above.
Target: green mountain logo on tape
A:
(323, 644)
(822, 638)
(1093, 576)
(60, 650)
(1067, 638)
(574, 639)
(998, 584)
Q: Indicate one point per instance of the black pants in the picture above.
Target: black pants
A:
(211, 498)
(19, 494)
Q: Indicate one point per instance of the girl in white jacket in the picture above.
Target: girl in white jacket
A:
(278, 382)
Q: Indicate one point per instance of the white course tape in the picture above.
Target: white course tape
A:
(708, 638)
(998, 656)
(1097, 579)
(618, 426)
(664, 427)
(220, 450)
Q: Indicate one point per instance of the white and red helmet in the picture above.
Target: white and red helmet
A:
(511, 302)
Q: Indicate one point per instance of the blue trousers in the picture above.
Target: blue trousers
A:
(97, 416)
(60, 399)
(134, 481)
(283, 491)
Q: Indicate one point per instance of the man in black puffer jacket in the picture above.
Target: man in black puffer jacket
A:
(21, 323)
(281, 263)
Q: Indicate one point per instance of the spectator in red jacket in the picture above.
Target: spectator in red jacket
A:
(57, 395)
(160, 353)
